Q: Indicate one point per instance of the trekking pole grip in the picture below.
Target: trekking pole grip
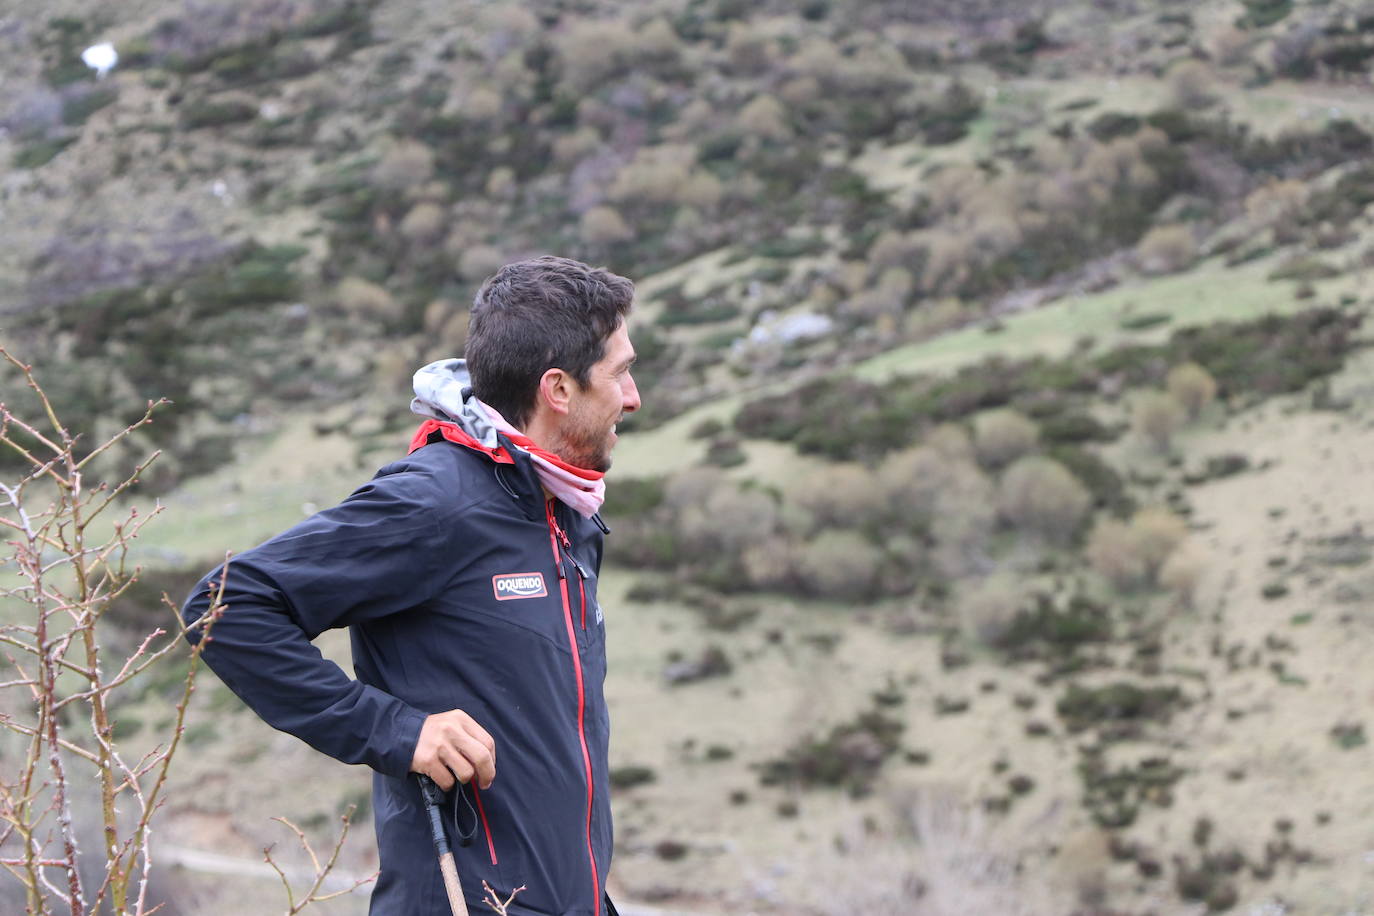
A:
(434, 798)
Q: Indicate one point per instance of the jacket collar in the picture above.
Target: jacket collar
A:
(514, 469)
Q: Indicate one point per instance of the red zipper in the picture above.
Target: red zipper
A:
(582, 593)
(581, 573)
(555, 535)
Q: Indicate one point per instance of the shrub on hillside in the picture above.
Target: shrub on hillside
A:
(1277, 205)
(1111, 551)
(1157, 531)
(839, 564)
(1155, 417)
(406, 164)
(604, 225)
(1304, 268)
(393, 366)
(965, 516)
(664, 174)
(218, 112)
(477, 262)
(591, 51)
(1060, 626)
(935, 491)
(888, 297)
(690, 488)
(501, 183)
(843, 496)
(1261, 13)
(947, 117)
(849, 756)
(656, 174)
(366, 299)
(765, 118)
(1112, 124)
(445, 324)
(771, 564)
(989, 610)
(1191, 85)
(1065, 427)
(724, 452)
(912, 480)
(1040, 496)
(1102, 480)
(951, 441)
(749, 50)
(1166, 249)
(1270, 355)
(203, 35)
(1182, 572)
(893, 249)
(658, 49)
(1120, 709)
(1132, 554)
(1002, 436)
(948, 258)
(1192, 387)
(425, 224)
(715, 531)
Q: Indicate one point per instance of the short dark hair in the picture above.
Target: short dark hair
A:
(532, 316)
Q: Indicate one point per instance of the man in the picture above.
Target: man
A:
(467, 574)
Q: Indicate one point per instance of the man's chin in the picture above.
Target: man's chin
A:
(601, 463)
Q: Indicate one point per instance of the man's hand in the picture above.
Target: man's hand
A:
(452, 744)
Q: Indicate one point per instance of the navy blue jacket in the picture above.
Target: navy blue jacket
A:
(462, 589)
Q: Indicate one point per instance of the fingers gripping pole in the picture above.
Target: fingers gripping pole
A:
(447, 867)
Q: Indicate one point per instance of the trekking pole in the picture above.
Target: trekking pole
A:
(434, 798)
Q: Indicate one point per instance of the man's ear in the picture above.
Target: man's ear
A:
(556, 390)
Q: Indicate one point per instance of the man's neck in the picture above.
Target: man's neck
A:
(540, 432)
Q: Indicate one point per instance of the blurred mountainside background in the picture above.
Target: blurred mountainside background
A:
(995, 536)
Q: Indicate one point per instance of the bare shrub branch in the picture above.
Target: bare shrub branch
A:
(58, 687)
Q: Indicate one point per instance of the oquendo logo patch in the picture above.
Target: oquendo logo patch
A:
(519, 585)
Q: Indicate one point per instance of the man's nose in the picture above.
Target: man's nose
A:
(629, 394)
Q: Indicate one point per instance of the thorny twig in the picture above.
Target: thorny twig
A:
(321, 872)
(493, 900)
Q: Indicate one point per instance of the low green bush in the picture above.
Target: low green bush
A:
(1114, 796)
(1112, 124)
(210, 113)
(77, 108)
(40, 153)
(1047, 626)
(1118, 711)
(255, 276)
(849, 756)
(627, 777)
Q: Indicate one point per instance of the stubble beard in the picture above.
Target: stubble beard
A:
(585, 447)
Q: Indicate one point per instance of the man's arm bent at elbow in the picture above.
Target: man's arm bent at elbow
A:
(374, 554)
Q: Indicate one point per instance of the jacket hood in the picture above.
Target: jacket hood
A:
(443, 391)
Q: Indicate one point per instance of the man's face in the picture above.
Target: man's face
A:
(588, 433)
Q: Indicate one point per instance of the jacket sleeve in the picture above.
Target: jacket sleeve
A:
(377, 553)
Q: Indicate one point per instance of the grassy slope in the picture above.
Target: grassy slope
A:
(1209, 293)
(1249, 735)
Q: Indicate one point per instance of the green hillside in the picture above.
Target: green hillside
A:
(993, 538)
